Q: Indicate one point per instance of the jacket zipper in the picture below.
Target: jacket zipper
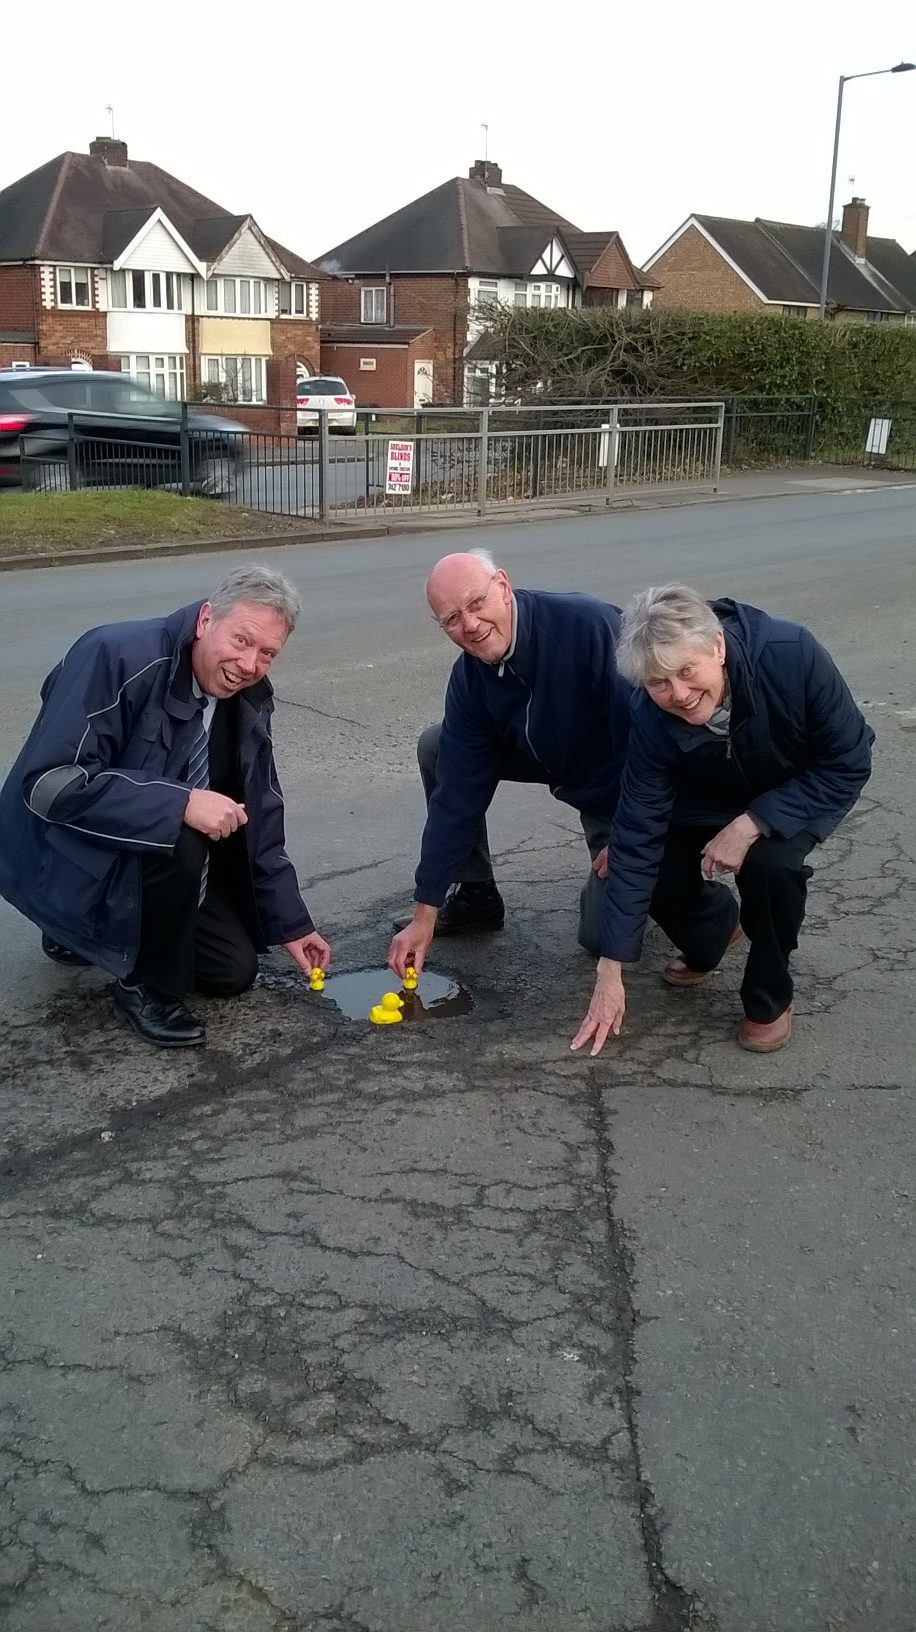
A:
(524, 683)
(730, 754)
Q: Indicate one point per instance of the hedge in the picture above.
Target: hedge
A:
(599, 354)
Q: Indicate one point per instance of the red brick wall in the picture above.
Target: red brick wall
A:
(694, 277)
(19, 297)
(388, 385)
(437, 303)
(296, 337)
(63, 335)
(11, 353)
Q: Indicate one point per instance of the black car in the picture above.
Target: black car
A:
(123, 434)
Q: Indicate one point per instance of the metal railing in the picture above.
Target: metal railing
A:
(430, 462)
(426, 462)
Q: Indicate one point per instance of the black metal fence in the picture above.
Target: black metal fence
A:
(761, 431)
(472, 459)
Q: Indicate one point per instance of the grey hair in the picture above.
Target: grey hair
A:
(257, 585)
(485, 557)
(659, 623)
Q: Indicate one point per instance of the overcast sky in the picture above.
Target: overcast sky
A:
(321, 118)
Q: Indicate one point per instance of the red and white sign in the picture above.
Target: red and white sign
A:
(399, 473)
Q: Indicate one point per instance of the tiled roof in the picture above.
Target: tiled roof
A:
(78, 208)
(783, 261)
(464, 227)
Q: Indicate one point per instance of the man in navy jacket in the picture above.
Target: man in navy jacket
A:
(141, 827)
(534, 697)
(746, 750)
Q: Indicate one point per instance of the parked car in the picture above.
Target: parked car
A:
(324, 394)
(125, 435)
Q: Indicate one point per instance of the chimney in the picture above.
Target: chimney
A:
(112, 151)
(854, 231)
(486, 172)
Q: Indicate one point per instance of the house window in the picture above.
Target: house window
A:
(520, 297)
(244, 379)
(73, 286)
(237, 297)
(165, 375)
(877, 317)
(373, 305)
(137, 291)
(293, 300)
(795, 311)
(487, 291)
(544, 294)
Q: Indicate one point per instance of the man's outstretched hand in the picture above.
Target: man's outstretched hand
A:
(308, 951)
(411, 944)
(606, 1009)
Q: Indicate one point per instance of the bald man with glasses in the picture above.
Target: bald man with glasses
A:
(534, 697)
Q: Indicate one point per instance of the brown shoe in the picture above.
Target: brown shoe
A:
(765, 1038)
(678, 973)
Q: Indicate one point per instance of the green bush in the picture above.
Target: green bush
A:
(600, 354)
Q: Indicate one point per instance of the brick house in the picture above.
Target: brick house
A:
(715, 264)
(401, 301)
(111, 262)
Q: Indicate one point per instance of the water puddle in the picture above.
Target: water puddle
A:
(437, 997)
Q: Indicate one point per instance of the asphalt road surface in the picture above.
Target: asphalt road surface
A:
(330, 1329)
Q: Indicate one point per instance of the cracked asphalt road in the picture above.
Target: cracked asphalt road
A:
(326, 1329)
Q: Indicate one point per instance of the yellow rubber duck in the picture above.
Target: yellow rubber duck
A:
(411, 979)
(316, 979)
(388, 1012)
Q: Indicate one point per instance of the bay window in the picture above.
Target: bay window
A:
(243, 379)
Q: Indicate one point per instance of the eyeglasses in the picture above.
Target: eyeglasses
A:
(472, 609)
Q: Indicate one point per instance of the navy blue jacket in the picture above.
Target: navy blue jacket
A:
(558, 700)
(798, 755)
(98, 786)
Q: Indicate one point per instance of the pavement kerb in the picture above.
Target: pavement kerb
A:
(344, 533)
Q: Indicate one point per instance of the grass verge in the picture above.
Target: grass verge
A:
(33, 522)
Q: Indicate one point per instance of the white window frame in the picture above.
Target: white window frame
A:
(256, 297)
(487, 291)
(374, 290)
(151, 368)
(74, 305)
(232, 371)
(544, 295)
(297, 293)
(155, 284)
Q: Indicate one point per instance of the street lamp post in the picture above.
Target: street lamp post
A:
(900, 68)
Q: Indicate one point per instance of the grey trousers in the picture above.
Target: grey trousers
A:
(478, 869)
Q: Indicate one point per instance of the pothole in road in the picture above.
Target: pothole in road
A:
(437, 997)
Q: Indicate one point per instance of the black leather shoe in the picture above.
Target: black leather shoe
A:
(468, 909)
(156, 1017)
(62, 954)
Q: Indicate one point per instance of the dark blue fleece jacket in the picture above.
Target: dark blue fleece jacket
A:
(797, 755)
(558, 700)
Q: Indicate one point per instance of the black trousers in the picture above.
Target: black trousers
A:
(699, 916)
(185, 947)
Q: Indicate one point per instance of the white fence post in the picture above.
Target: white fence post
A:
(483, 456)
(613, 444)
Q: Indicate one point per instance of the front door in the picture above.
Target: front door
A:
(422, 383)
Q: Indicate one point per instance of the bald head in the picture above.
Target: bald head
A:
(471, 598)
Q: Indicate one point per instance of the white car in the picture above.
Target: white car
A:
(324, 394)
